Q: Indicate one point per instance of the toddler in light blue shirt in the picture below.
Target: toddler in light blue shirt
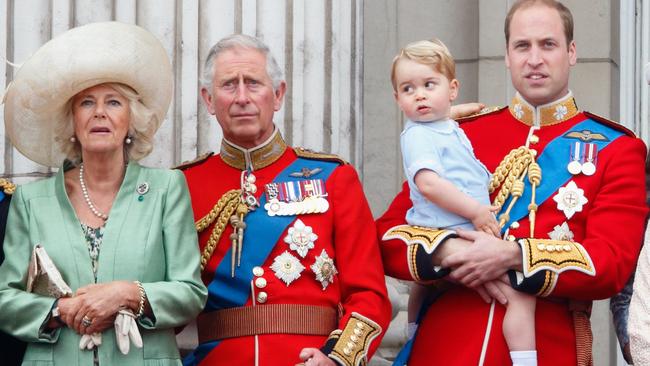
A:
(448, 184)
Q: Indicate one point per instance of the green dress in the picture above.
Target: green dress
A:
(149, 237)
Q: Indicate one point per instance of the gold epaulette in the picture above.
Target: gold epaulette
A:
(7, 186)
(483, 112)
(554, 255)
(200, 159)
(610, 123)
(313, 155)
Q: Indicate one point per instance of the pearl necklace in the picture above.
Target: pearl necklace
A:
(84, 191)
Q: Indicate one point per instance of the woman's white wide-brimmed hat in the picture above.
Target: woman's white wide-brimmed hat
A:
(80, 58)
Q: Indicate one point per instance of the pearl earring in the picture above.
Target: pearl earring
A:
(73, 139)
(128, 140)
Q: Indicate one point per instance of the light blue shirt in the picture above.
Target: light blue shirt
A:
(442, 147)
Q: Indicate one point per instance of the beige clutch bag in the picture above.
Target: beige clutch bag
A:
(43, 277)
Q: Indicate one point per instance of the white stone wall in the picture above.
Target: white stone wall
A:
(317, 43)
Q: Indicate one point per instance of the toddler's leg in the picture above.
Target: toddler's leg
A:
(519, 326)
(417, 295)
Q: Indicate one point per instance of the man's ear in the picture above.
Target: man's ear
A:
(279, 95)
(207, 100)
(573, 54)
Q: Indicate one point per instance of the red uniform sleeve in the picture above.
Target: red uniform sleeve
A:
(394, 253)
(365, 306)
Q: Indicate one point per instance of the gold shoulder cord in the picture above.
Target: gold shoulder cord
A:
(510, 175)
(7, 186)
(221, 212)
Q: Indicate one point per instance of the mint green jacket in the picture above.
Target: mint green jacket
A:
(151, 239)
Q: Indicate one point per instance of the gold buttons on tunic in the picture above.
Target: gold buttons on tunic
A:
(262, 297)
(258, 271)
(260, 282)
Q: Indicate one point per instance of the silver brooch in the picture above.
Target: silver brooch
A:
(142, 188)
(300, 238)
(570, 199)
(324, 269)
(287, 267)
(561, 232)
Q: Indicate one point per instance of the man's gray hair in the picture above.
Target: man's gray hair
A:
(240, 41)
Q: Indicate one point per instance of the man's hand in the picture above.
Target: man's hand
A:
(464, 110)
(489, 291)
(486, 259)
(314, 357)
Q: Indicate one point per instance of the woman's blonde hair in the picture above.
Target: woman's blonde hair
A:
(428, 52)
(142, 127)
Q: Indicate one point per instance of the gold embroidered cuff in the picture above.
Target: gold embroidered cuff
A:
(428, 238)
(554, 255)
(351, 348)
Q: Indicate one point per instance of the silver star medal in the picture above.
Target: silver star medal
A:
(570, 199)
(561, 232)
(300, 238)
(287, 267)
(324, 269)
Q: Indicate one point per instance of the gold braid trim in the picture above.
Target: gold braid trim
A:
(351, 349)
(411, 252)
(221, 212)
(429, 238)
(208, 219)
(550, 279)
(556, 256)
(7, 186)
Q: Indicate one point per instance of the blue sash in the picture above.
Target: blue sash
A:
(553, 161)
(261, 235)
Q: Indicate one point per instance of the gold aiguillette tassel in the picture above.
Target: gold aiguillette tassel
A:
(234, 243)
(242, 210)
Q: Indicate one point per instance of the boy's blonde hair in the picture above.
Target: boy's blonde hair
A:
(428, 52)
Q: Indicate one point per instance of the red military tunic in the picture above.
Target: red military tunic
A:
(609, 227)
(345, 232)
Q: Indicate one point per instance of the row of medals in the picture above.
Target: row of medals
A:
(582, 158)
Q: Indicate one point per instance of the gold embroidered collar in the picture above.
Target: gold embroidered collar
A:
(256, 158)
(543, 115)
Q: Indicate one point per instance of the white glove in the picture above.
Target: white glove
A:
(126, 329)
(89, 341)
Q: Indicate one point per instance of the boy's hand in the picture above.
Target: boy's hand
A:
(484, 220)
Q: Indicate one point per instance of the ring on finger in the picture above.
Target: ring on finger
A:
(86, 321)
